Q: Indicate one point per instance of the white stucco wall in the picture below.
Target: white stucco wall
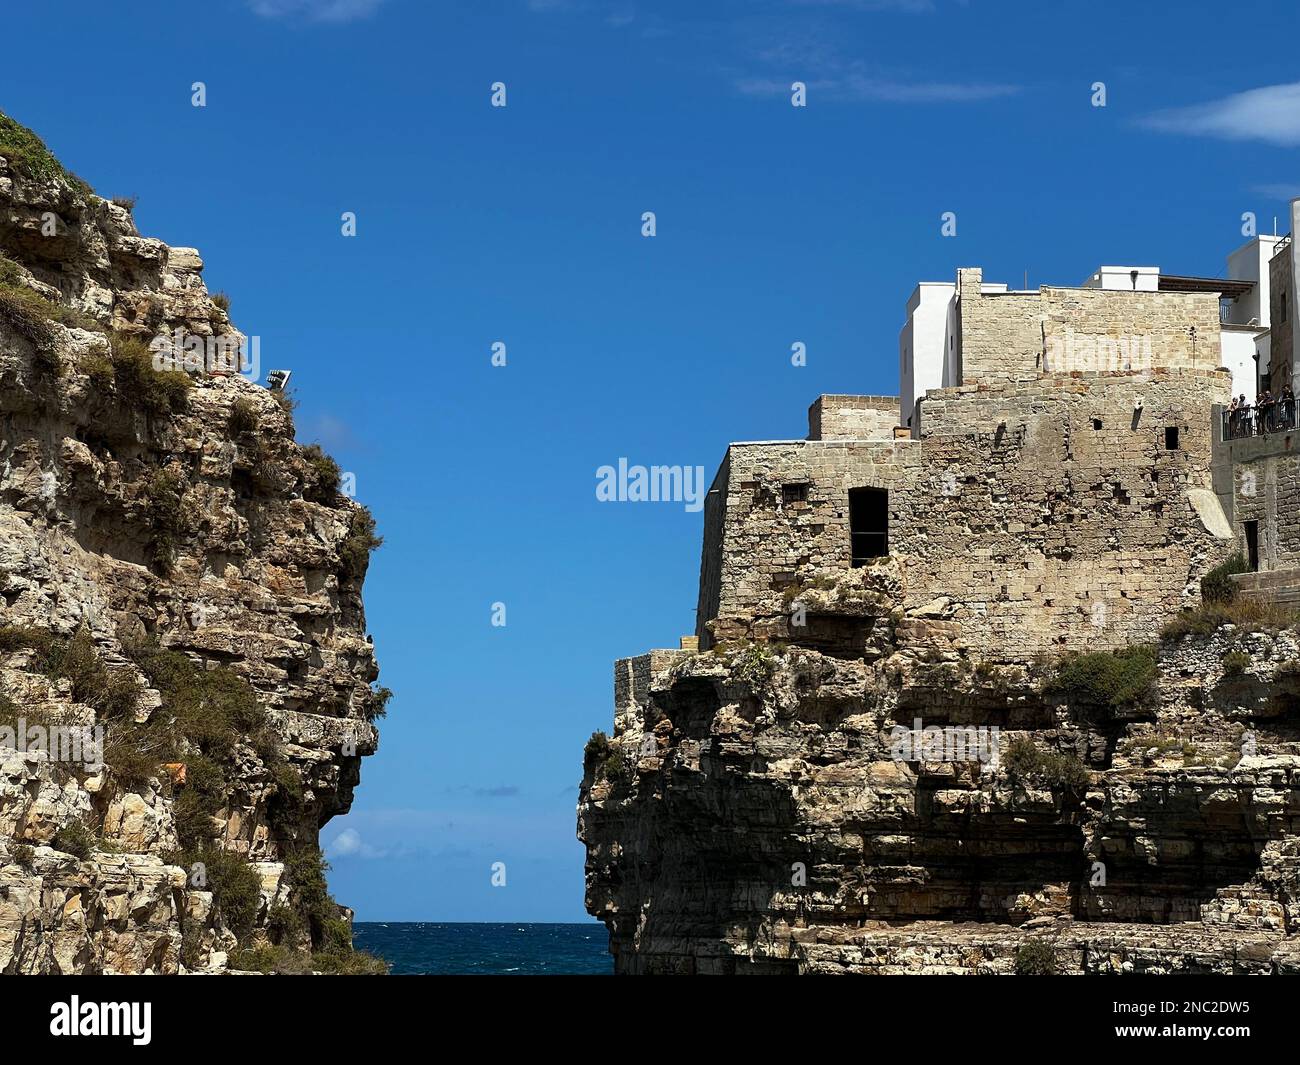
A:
(1121, 278)
(1239, 357)
(924, 357)
(1250, 263)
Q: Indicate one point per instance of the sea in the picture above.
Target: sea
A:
(425, 948)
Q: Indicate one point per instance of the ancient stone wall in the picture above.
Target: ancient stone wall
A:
(853, 418)
(1266, 491)
(1043, 515)
(1282, 299)
(1019, 335)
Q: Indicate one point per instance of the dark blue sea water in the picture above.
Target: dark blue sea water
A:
(414, 949)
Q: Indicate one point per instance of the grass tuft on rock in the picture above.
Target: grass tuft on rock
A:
(28, 155)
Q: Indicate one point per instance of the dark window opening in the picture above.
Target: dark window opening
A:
(794, 493)
(1252, 544)
(1281, 308)
(1171, 438)
(868, 524)
(1096, 423)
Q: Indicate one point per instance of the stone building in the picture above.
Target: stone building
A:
(1059, 496)
(1064, 486)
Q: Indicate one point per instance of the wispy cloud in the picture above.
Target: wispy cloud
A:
(1281, 191)
(905, 7)
(779, 54)
(1270, 114)
(862, 88)
(316, 10)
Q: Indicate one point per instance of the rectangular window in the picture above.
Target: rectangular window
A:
(868, 524)
(1171, 438)
(794, 493)
(1251, 529)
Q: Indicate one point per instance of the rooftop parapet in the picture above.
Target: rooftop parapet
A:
(853, 418)
(1020, 335)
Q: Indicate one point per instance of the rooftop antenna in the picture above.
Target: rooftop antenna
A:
(1026, 280)
(1133, 274)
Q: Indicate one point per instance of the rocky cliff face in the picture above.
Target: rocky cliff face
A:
(768, 807)
(175, 570)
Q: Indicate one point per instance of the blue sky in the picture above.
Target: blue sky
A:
(522, 224)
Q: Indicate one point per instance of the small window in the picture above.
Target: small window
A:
(1281, 308)
(1171, 438)
(1096, 423)
(794, 493)
(868, 524)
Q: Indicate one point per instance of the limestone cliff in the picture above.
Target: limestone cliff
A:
(177, 570)
(752, 813)
(1023, 717)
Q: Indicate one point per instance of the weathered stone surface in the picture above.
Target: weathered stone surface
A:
(256, 583)
(755, 809)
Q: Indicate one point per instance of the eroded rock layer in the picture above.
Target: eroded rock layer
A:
(141, 514)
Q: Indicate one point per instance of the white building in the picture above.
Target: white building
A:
(927, 345)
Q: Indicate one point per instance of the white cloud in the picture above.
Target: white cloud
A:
(316, 10)
(346, 842)
(1270, 114)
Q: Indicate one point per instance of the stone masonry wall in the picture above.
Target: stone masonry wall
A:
(1279, 279)
(1032, 517)
(1061, 330)
(1266, 489)
(853, 418)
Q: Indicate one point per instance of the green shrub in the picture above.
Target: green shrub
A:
(243, 417)
(165, 513)
(1107, 678)
(236, 888)
(596, 748)
(1217, 585)
(192, 947)
(288, 403)
(284, 924)
(113, 694)
(754, 664)
(10, 274)
(1026, 762)
(74, 838)
(1235, 663)
(140, 384)
(1035, 957)
(325, 475)
(354, 551)
(377, 703)
(22, 854)
(222, 301)
(28, 155)
(127, 203)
